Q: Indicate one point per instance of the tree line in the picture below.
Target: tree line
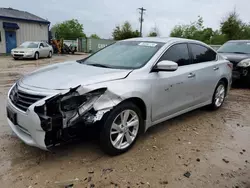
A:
(72, 29)
(231, 28)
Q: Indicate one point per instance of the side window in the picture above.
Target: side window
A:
(0, 36)
(202, 53)
(41, 44)
(177, 53)
(45, 44)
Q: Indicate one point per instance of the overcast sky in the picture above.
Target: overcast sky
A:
(101, 16)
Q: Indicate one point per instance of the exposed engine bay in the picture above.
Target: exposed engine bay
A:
(63, 115)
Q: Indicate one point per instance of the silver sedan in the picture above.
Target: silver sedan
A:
(123, 89)
(31, 49)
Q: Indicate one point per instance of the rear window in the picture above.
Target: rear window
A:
(202, 53)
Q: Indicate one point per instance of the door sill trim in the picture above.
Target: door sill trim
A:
(181, 112)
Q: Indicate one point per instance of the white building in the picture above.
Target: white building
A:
(18, 26)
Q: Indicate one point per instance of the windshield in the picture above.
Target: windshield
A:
(235, 47)
(29, 45)
(124, 55)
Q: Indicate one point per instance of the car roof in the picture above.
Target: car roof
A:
(162, 39)
(239, 41)
(31, 42)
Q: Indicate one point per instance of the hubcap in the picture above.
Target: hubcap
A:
(124, 129)
(219, 95)
(36, 56)
(50, 54)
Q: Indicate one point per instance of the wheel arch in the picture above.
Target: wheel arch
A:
(142, 106)
(225, 80)
(140, 103)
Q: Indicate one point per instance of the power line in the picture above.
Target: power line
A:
(141, 19)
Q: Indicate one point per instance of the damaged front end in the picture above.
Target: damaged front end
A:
(64, 115)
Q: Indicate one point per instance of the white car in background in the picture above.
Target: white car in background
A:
(31, 49)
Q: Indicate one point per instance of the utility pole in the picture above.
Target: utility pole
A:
(141, 19)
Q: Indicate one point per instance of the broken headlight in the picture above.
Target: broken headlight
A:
(74, 101)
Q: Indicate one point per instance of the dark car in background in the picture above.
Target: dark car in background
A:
(238, 53)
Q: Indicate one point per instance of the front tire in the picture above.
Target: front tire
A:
(121, 128)
(36, 56)
(218, 96)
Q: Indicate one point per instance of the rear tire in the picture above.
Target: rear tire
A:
(36, 56)
(121, 128)
(50, 54)
(218, 96)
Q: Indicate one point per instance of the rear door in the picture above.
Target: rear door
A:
(173, 92)
(206, 69)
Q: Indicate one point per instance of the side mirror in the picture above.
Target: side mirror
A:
(165, 66)
(41, 47)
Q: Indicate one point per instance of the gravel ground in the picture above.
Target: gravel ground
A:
(198, 149)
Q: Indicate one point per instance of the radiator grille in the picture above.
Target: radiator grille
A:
(23, 100)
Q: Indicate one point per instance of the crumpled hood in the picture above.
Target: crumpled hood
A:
(71, 74)
(235, 58)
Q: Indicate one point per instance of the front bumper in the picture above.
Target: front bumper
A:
(22, 55)
(28, 127)
(27, 124)
(240, 73)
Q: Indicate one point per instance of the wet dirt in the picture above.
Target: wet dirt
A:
(198, 149)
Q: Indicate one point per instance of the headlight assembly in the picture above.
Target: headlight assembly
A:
(244, 63)
(74, 101)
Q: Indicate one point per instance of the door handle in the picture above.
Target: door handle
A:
(191, 75)
(216, 68)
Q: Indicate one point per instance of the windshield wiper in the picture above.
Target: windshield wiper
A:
(99, 65)
(239, 52)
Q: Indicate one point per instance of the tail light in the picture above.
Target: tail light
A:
(230, 65)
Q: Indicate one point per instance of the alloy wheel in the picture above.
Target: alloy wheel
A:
(124, 129)
(219, 95)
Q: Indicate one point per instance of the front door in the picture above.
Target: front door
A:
(173, 92)
(10, 38)
(42, 50)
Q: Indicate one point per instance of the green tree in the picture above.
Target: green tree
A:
(69, 30)
(94, 36)
(231, 28)
(218, 38)
(154, 32)
(197, 31)
(178, 31)
(234, 28)
(124, 32)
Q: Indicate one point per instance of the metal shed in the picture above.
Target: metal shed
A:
(91, 45)
(18, 26)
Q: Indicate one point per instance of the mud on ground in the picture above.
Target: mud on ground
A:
(198, 149)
